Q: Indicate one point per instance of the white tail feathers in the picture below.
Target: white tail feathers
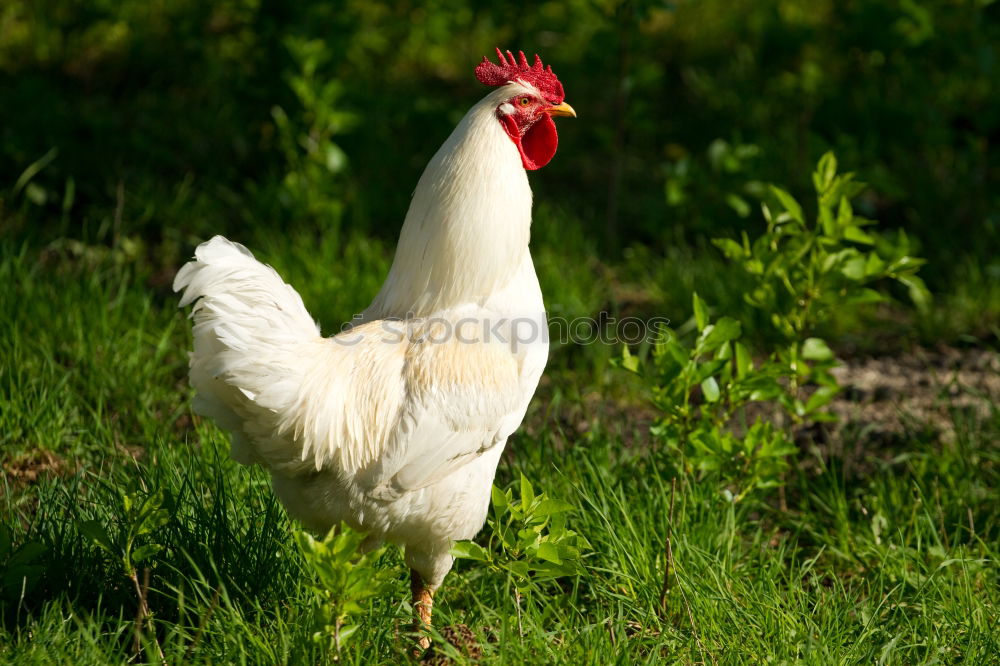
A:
(228, 278)
(247, 326)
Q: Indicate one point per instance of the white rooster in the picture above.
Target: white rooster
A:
(396, 425)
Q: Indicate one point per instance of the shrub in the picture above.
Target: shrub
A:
(799, 272)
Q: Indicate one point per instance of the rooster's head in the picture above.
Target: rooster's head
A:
(526, 116)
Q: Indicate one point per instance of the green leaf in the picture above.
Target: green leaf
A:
(744, 363)
(710, 388)
(674, 191)
(826, 169)
(469, 550)
(527, 493)
(346, 631)
(677, 352)
(305, 541)
(738, 204)
(700, 311)
(505, 535)
(548, 570)
(854, 268)
(789, 203)
(629, 361)
(845, 212)
(864, 295)
(857, 235)
(827, 222)
(499, 499)
(519, 569)
(724, 330)
(763, 393)
(94, 531)
(153, 521)
(548, 507)
(815, 349)
(765, 210)
(705, 370)
(145, 552)
(821, 397)
(918, 291)
(905, 264)
(874, 265)
(549, 552)
(730, 248)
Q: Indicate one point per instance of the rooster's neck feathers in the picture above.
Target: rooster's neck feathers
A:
(467, 230)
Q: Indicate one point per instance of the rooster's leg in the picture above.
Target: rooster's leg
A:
(423, 604)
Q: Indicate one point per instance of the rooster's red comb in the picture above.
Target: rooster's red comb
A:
(514, 69)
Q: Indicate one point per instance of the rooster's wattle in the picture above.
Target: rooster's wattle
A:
(396, 425)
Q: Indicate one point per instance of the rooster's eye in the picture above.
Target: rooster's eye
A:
(524, 101)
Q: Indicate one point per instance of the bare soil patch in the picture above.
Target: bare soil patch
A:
(924, 389)
(28, 468)
(885, 400)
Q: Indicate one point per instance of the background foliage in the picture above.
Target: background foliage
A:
(202, 110)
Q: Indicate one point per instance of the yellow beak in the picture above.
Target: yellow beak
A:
(563, 109)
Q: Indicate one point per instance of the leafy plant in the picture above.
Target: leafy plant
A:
(343, 579)
(702, 389)
(310, 185)
(529, 540)
(803, 271)
(141, 514)
(800, 272)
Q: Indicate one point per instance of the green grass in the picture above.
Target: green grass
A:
(893, 564)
